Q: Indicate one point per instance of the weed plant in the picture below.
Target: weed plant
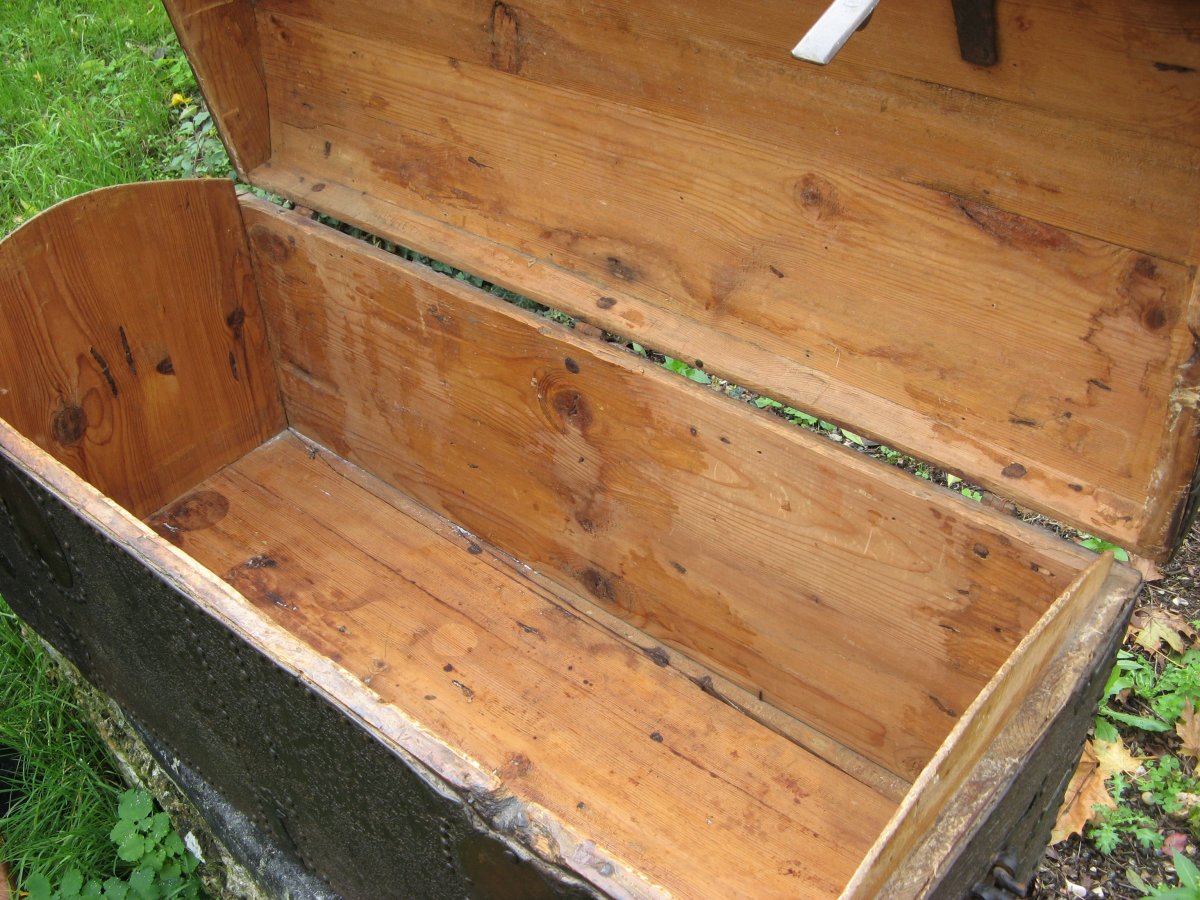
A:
(63, 790)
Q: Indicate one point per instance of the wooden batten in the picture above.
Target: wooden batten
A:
(894, 865)
(220, 38)
(898, 242)
(133, 348)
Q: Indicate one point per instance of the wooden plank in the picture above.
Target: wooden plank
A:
(1007, 809)
(133, 348)
(713, 683)
(968, 746)
(220, 39)
(296, 743)
(1115, 322)
(677, 509)
(495, 668)
(725, 67)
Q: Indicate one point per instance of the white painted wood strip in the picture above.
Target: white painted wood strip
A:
(833, 29)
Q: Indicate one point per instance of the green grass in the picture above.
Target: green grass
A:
(65, 777)
(86, 101)
(85, 98)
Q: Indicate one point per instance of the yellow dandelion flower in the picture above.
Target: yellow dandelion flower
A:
(178, 99)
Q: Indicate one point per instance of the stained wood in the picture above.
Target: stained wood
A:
(1007, 808)
(1002, 139)
(712, 683)
(497, 669)
(710, 525)
(133, 348)
(916, 245)
(942, 367)
(278, 728)
(972, 739)
(220, 38)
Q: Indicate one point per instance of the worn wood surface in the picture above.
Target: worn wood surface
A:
(997, 137)
(659, 174)
(709, 524)
(708, 680)
(574, 720)
(969, 745)
(220, 38)
(298, 745)
(133, 348)
(1007, 807)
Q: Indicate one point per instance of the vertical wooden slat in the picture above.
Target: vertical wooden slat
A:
(220, 38)
(133, 348)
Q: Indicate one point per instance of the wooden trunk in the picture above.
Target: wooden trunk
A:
(452, 600)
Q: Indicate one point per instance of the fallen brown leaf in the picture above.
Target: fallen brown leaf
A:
(1147, 568)
(1175, 842)
(1084, 793)
(1153, 627)
(1115, 757)
(1188, 729)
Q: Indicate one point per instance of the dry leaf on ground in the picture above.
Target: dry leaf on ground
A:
(1152, 627)
(1175, 842)
(1115, 757)
(1147, 568)
(1085, 792)
(1188, 729)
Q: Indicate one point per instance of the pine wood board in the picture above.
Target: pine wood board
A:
(133, 348)
(514, 681)
(751, 704)
(1000, 137)
(220, 38)
(969, 745)
(1090, 446)
(713, 526)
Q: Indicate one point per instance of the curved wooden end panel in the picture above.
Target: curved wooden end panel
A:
(134, 350)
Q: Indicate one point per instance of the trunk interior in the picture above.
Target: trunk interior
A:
(721, 647)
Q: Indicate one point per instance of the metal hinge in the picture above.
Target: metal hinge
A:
(1002, 884)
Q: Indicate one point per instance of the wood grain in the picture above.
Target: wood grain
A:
(1007, 807)
(220, 39)
(498, 670)
(943, 366)
(1001, 137)
(967, 746)
(713, 527)
(133, 348)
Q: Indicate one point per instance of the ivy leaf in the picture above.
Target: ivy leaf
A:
(160, 824)
(38, 887)
(71, 885)
(132, 848)
(135, 805)
(123, 829)
(142, 883)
